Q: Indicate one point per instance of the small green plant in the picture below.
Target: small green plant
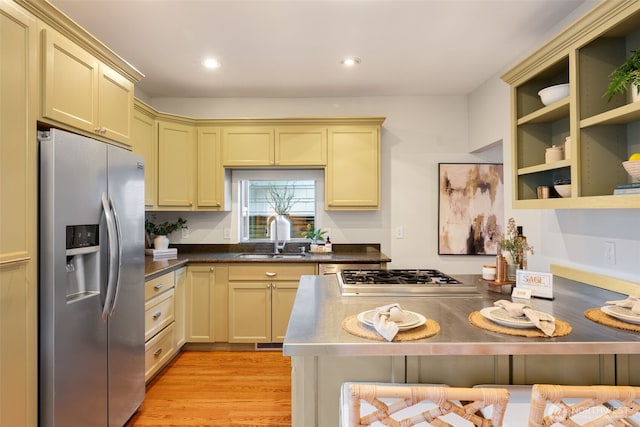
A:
(626, 74)
(165, 228)
(282, 199)
(512, 243)
(314, 233)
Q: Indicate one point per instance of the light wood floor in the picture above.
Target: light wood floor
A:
(219, 388)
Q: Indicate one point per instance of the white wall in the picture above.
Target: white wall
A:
(418, 133)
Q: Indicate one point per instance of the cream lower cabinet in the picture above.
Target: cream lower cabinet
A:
(80, 91)
(261, 298)
(200, 303)
(159, 322)
(180, 307)
(352, 180)
(18, 251)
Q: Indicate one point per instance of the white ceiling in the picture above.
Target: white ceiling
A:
(292, 48)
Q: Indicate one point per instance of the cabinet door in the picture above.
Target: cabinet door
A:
(247, 146)
(283, 295)
(301, 146)
(176, 161)
(144, 138)
(115, 102)
(18, 278)
(200, 291)
(70, 80)
(210, 173)
(352, 180)
(180, 307)
(249, 312)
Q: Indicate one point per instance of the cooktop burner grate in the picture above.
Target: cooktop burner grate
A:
(409, 282)
(397, 277)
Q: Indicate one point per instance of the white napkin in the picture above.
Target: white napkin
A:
(385, 318)
(541, 320)
(631, 302)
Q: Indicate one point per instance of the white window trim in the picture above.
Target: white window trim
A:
(273, 174)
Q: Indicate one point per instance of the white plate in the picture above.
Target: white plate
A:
(411, 319)
(621, 313)
(501, 316)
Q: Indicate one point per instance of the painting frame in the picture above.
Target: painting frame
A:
(470, 208)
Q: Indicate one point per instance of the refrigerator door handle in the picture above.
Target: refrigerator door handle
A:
(118, 229)
(113, 250)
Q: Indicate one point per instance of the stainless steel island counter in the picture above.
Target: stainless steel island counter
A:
(324, 354)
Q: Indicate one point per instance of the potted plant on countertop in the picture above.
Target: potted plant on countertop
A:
(515, 245)
(626, 75)
(161, 231)
(314, 234)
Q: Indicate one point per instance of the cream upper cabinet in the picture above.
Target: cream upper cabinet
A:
(300, 146)
(261, 299)
(602, 133)
(200, 303)
(80, 91)
(144, 139)
(352, 180)
(18, 192)
(176, 160)
(248, 146)
(210, 174)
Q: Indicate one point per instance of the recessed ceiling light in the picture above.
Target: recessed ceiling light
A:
(350, 62)
(211, 63)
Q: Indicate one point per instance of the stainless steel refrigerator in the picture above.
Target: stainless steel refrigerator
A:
(91, 282)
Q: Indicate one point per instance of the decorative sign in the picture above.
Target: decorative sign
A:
(521, 293)
(540, 284)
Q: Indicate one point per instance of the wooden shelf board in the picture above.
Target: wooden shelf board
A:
(544, 167)
(549, 113)
(626, 114)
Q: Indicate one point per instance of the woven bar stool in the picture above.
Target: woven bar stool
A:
(403, 405)
(574, 406)
(599, 405)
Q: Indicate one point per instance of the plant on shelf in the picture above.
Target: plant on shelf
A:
(314, 234)
(165, 228)
(625, 75)
(513, 243)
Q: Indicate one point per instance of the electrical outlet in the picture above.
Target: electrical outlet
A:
(185, 233)
(399, 232)
(610, 252)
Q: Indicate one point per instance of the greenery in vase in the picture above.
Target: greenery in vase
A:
(281, 199)
(512, 243)
(626, 74)
(165, 228)
(314, 234)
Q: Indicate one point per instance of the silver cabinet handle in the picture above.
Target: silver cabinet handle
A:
(271, 274)
(156, 315)
(158, 286)
(157, 352)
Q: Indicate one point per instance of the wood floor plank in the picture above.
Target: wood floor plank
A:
(219, 388)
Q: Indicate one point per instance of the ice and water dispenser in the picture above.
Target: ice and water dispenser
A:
(83, 261)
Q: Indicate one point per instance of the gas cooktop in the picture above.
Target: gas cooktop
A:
(402, 282)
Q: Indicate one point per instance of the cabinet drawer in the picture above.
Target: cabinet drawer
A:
(158, 285)
(157, 351)
(158, 313)
(270, 271)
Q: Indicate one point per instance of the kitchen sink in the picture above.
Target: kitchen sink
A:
(271, 256)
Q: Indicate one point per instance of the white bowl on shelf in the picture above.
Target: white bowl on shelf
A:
(551, 94)
(564, 190)
(632, 167)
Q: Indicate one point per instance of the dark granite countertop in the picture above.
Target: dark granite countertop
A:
(228, 253)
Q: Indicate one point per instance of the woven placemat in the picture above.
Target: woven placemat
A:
(477, 319)
(352, 325)
(603, 318)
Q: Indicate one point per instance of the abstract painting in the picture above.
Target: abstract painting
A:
(471, 204)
